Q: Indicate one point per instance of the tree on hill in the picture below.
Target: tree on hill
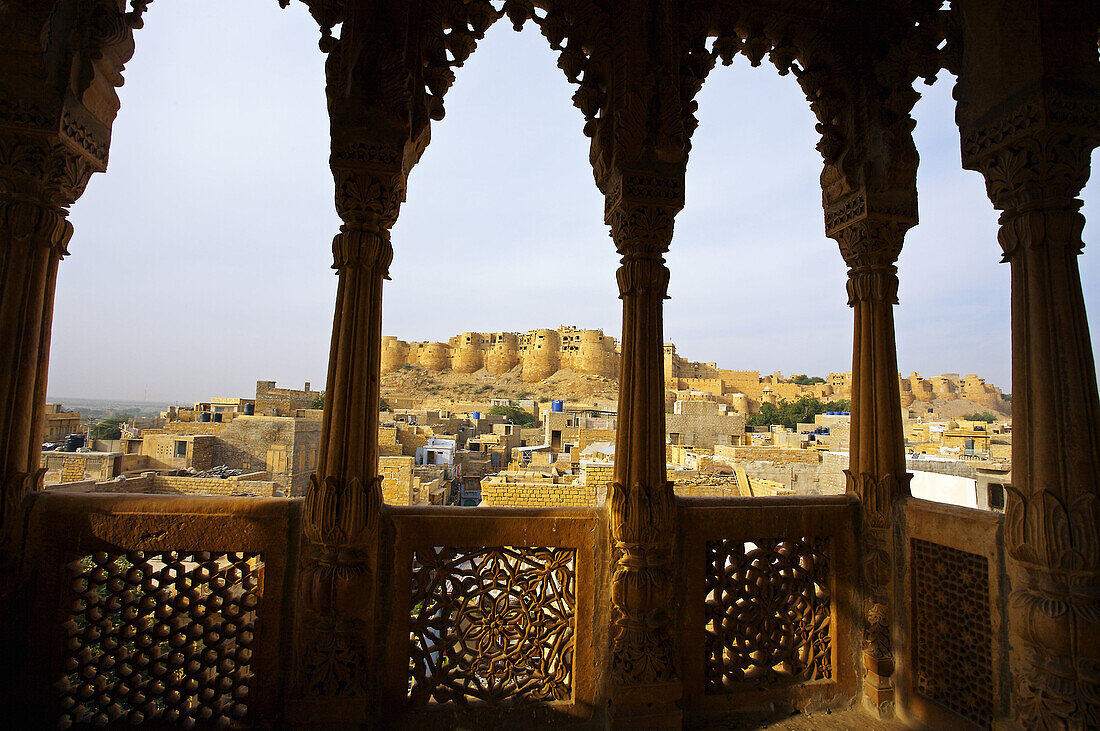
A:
(791, 413)
(985, 416)
(517, 414)
(804, 380)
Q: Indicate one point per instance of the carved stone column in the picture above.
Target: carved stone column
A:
(646, 684)
(870, 243)
(344, 497)
(1053, 508)
(41, 174)
(33, 237)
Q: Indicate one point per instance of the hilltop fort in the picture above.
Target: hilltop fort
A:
(537, 355)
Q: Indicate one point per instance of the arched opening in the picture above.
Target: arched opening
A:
(200, 262)
(954, 338)
(200, 259)
(756, 287)
(500, 248)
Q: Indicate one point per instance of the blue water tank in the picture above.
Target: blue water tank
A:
(557, 405)
(475, 415)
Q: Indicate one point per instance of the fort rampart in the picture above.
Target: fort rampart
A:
(539, 353)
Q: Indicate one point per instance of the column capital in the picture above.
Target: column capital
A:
(872, 240)
(877, 283)
(1041, 167)
(42, 224)
(370, 184)
(44, 169)
(640, 206)
(1060, 225)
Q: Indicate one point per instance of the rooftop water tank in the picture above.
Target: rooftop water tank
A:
(475, 415)
(557, 405)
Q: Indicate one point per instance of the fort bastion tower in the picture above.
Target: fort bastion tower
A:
(540, 351)
(503, 354)
(395, 353)
(588, 351)
(468, 352)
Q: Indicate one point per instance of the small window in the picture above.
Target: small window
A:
(181, 450)
(996, 496)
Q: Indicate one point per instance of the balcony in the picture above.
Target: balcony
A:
(188, 610)
(650, 611)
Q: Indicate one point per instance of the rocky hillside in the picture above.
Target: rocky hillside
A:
(443, 387)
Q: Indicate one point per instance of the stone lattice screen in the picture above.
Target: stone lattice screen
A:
(492, 608)
(952, 630)
(765, 584)
(159, 637)
(161, 610)
(492, 625)
(768, 613)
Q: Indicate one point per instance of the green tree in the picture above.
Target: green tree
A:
(517, 414)
(318, 400)
(791, 413)
(110, 428)
(383, 405)
(985, 416)
(804, 380)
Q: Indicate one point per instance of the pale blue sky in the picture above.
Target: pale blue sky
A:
(200, 262)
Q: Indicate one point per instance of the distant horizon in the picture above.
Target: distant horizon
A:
(319, 386)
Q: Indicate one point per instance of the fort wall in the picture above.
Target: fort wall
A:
(543, 352)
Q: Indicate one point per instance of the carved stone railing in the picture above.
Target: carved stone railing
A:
(493, 613)
(957, 669)
(161, 610)
(768, 598)
(171, 610)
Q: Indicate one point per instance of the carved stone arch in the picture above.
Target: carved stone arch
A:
(823, 46)
(796, 43)
(390, 69)
(451, 30)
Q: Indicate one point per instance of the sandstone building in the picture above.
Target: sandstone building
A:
(59, 423)
(746, 390)
(657, 610)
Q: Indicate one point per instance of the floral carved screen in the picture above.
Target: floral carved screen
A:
(492, 625)
(159, 637)
(768, 613)
(952, 630)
